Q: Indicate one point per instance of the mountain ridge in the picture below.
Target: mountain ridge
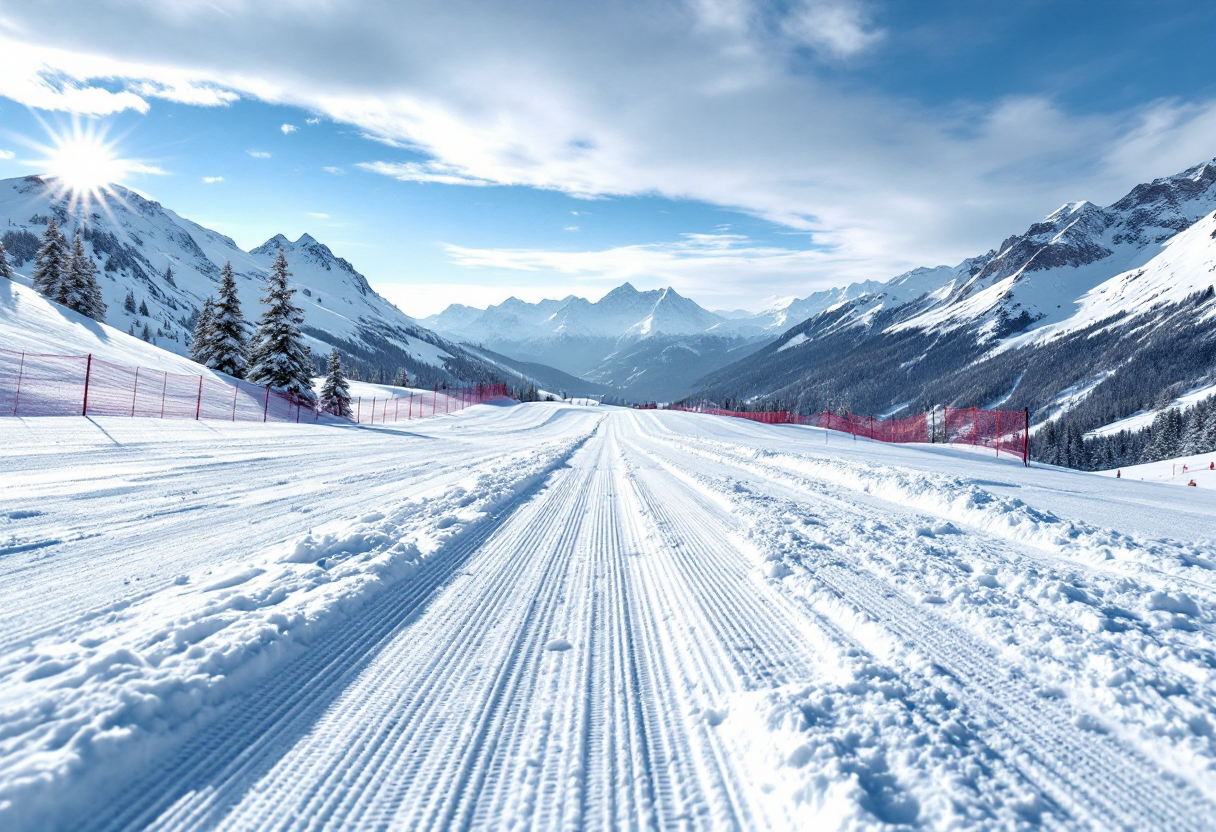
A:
(170, 265)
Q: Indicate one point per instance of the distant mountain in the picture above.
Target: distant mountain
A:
(1095, 312)
(623, 340)
(171, 265)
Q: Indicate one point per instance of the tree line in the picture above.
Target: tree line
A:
(1174, 432)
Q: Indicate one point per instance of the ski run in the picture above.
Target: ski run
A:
(552, 617)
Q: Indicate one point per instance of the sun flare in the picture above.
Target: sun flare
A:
(84, 164)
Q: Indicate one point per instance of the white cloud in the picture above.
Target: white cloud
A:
(335, 171)
(288, 128)
(213, 180)
(198, 95)
(424, 172)
(691, 100)
(835, 28)
(312, 121)
(7, 154)
(316, 215)
(570, 228)
(258, 154)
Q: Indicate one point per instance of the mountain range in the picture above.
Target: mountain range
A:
(1097, 312)
(645, 345)
(170, 265)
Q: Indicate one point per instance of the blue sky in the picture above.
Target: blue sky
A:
(741, 151)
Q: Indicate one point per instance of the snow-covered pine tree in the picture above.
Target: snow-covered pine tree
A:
(128, 303)
(143, 308)
(402, 379)
(169, 275)
(1193, 429)
(228, 340)
(200, 341)
(335, 394)
(280, 358)
(5, 270)
(146, 334)
(79, 288)
(51, 262)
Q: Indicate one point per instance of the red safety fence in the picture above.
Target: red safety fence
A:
(423, 403)
(1001, 430)
(84, 385)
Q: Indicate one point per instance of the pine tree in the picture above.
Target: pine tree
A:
(78, 287)
(6, 271)
(402, 379)
(128, 303)
(143, 308)
(51, 262)
(200, 341)
(335, 395)
(169, 275)
(280, 357)
(146, 334)
(228, 334)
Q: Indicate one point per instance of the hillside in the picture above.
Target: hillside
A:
(170, 265)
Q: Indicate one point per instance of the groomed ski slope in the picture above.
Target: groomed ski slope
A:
(542, 616)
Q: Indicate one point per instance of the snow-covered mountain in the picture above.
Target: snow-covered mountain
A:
(171, 265)
(625, 340)
(1099, 312)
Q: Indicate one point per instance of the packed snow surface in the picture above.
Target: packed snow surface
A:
(546, 616)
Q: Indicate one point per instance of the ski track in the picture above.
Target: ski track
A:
(270, 494)
(1090, 774)
(586, 657)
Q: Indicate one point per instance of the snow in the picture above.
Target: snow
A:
(543, 616)
(1184, 470)
(31, 323)
(800, 338)
(1138, 421)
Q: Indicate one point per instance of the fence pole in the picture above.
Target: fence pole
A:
(998, 434)
(373, 419)
(1026, 437)
(163, 392)
(235, 391)
(198, 409)
(20, 371)
(88, 371)
(435, 399)
(358, 409)
(134, 392)
(266, 405)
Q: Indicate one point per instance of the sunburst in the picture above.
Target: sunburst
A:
(84, 163)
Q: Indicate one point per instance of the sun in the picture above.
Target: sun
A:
(84, 164)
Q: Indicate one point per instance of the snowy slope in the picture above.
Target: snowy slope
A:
(138, 242)
(31, 323)
(1182, 471)
(548, 617)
